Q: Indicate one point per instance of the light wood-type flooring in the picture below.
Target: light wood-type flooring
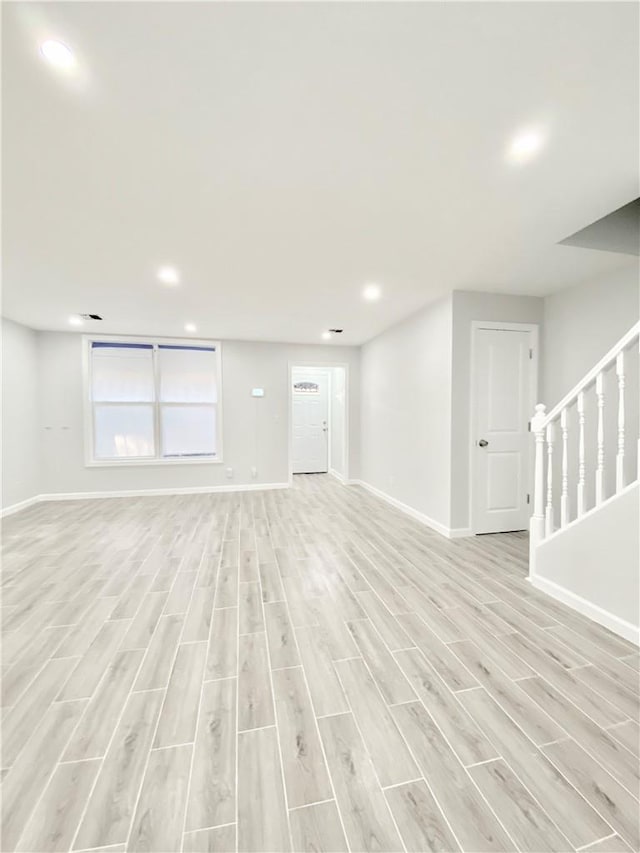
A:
(305, 669)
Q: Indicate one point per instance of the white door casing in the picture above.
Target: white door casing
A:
(310, 422)
(503, 395)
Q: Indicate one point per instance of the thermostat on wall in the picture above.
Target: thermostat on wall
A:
(257, 392)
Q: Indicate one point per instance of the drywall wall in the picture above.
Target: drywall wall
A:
(406, 412)
(582, 323)
(571, 564)
(256, 430)
(20, 434)
(416, 384)
(467, 307)
(338, 421)
(413, 399)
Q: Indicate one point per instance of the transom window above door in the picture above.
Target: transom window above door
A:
(152, 402)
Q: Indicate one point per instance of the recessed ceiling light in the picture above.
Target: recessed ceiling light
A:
(57, 54)
(372, 292)
(525, 145)
(169, 275)
(76, 320)
(190, 327)
(326, 336)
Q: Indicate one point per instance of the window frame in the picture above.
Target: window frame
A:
(88, 404)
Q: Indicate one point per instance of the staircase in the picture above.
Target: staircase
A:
(584, 529)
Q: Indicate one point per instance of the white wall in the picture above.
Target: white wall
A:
(256, 430)
(338, 420)
(20, 435)
(406, 412)
(415, 403)
(582, 323)
(413, 399)
(571, 565)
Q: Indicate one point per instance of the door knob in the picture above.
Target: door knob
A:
(483, 442)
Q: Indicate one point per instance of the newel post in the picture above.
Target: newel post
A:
(537, 523)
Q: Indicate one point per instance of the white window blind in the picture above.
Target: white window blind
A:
(154, 401)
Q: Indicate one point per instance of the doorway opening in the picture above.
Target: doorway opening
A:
(318, 419)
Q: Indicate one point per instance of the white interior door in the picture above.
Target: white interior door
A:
(503, 361)
(310, 423)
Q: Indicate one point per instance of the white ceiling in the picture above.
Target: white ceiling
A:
(283, 155)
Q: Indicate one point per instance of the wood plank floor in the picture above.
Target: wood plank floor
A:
(304, 670)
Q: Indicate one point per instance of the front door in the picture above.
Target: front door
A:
(503, 404)
(310, 423)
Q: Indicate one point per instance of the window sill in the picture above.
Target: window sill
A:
(130, 463)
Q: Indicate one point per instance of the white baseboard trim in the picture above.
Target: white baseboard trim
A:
(10, 510)
(337, 475)
(608, 620)
(450, 533)
(460, 532)
(141, 493)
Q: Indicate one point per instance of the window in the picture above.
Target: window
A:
(153, 401)
(306, 388)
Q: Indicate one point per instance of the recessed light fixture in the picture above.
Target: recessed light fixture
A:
(75, 320)
(190, 327)
(326, 336)
(372, 292)
(169, 275)
(525, 145)
(57, 54)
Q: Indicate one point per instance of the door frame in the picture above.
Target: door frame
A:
(319, 365)
(534, 338)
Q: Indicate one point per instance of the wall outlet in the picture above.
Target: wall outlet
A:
(254, 473)
(229, 473)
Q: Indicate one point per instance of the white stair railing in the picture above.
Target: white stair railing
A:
(543, 426)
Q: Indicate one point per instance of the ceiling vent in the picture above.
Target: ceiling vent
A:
(90, 316)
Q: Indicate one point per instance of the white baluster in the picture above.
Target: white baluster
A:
(536, 525)
(580, 407)
(620, 454)
(600, 460)
(564, 499)
(548, 527)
